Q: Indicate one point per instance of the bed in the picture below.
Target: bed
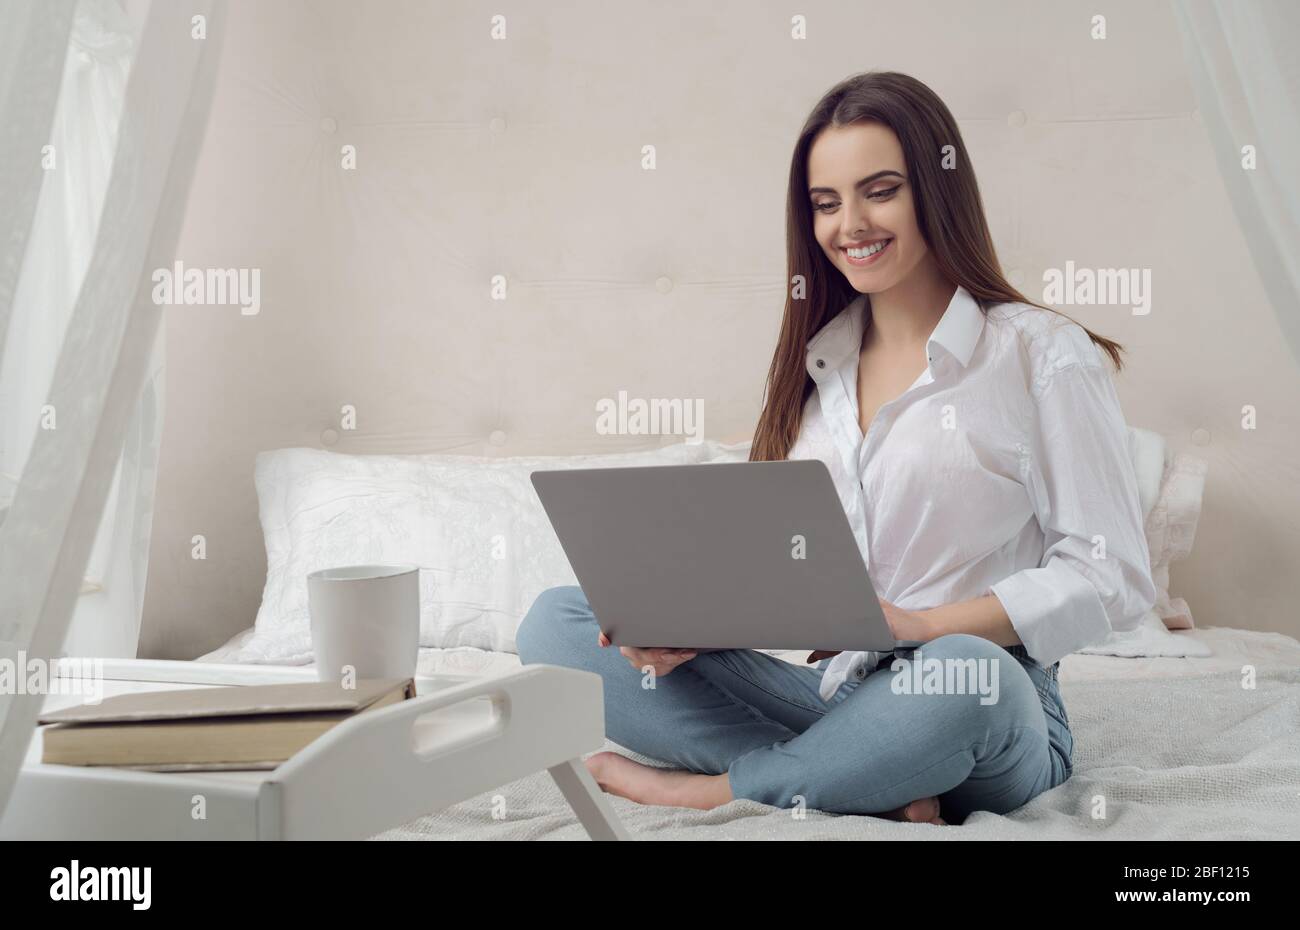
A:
(1181, 731)
(1176, 747)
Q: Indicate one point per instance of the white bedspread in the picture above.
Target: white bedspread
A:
(1229, 649)
(1175, 758)
(1176, 747)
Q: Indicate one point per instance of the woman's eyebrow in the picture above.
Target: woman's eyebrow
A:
(863, 183)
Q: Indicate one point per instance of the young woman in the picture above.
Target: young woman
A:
(978, 448)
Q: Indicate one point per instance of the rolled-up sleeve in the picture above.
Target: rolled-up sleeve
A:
(1095, 573)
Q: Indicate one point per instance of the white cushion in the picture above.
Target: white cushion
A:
(1170, 489)
(1147, 450)
(476, 527)
(473, 524)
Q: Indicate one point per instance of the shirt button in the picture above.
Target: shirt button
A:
(821, 363)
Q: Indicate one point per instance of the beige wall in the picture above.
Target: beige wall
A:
(375, 282)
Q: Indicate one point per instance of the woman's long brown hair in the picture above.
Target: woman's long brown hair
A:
(949, 215)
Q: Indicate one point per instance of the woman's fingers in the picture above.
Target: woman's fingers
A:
(662, 660)
(677, 656)
(818, 654)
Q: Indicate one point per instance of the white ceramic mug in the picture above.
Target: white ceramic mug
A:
(366, 617)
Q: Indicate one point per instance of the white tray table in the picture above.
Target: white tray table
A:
(457, 738)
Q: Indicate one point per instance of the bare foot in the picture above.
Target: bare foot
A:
(922, 810)
(645, 784)
(618, 775)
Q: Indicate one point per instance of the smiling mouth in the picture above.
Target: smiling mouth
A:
(868, 253)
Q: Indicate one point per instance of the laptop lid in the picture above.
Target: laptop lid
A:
(740, 555)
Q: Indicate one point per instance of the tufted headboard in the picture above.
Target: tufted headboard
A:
(499, 258)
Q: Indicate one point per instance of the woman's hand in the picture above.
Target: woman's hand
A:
(906, 625)
(662, 661)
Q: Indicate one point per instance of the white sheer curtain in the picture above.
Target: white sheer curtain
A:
(1244, 68)
(105, 357)
(106, 621)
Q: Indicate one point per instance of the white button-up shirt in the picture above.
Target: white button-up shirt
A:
(1004, 469)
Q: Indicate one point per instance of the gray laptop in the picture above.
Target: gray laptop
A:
(743, 555)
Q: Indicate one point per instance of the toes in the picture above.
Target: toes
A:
(923, 810)
(598, 766)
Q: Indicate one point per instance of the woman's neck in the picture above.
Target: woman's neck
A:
(906, 314)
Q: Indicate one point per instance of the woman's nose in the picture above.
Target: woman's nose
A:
(853, 223)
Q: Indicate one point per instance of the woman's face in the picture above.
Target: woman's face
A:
(861, 198)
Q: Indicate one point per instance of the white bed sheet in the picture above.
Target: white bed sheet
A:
(459, 660)
(1177, 748)
(1230, 650)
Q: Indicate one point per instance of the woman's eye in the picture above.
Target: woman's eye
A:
(882, 194)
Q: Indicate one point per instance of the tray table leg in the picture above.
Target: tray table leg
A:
(588, 801)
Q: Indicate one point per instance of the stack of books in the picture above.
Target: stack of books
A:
(251, 727)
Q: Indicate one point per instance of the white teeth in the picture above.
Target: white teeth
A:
(869, 250)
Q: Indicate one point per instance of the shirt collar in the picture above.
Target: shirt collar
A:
(957, 332)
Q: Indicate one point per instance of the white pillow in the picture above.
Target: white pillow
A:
(477, 527)
(1170, 489)
(1148, 450)
(474, 524)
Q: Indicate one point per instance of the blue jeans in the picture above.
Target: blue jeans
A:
(872, 748)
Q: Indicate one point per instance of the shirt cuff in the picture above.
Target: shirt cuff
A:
(1054, 610)
(842, 667)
